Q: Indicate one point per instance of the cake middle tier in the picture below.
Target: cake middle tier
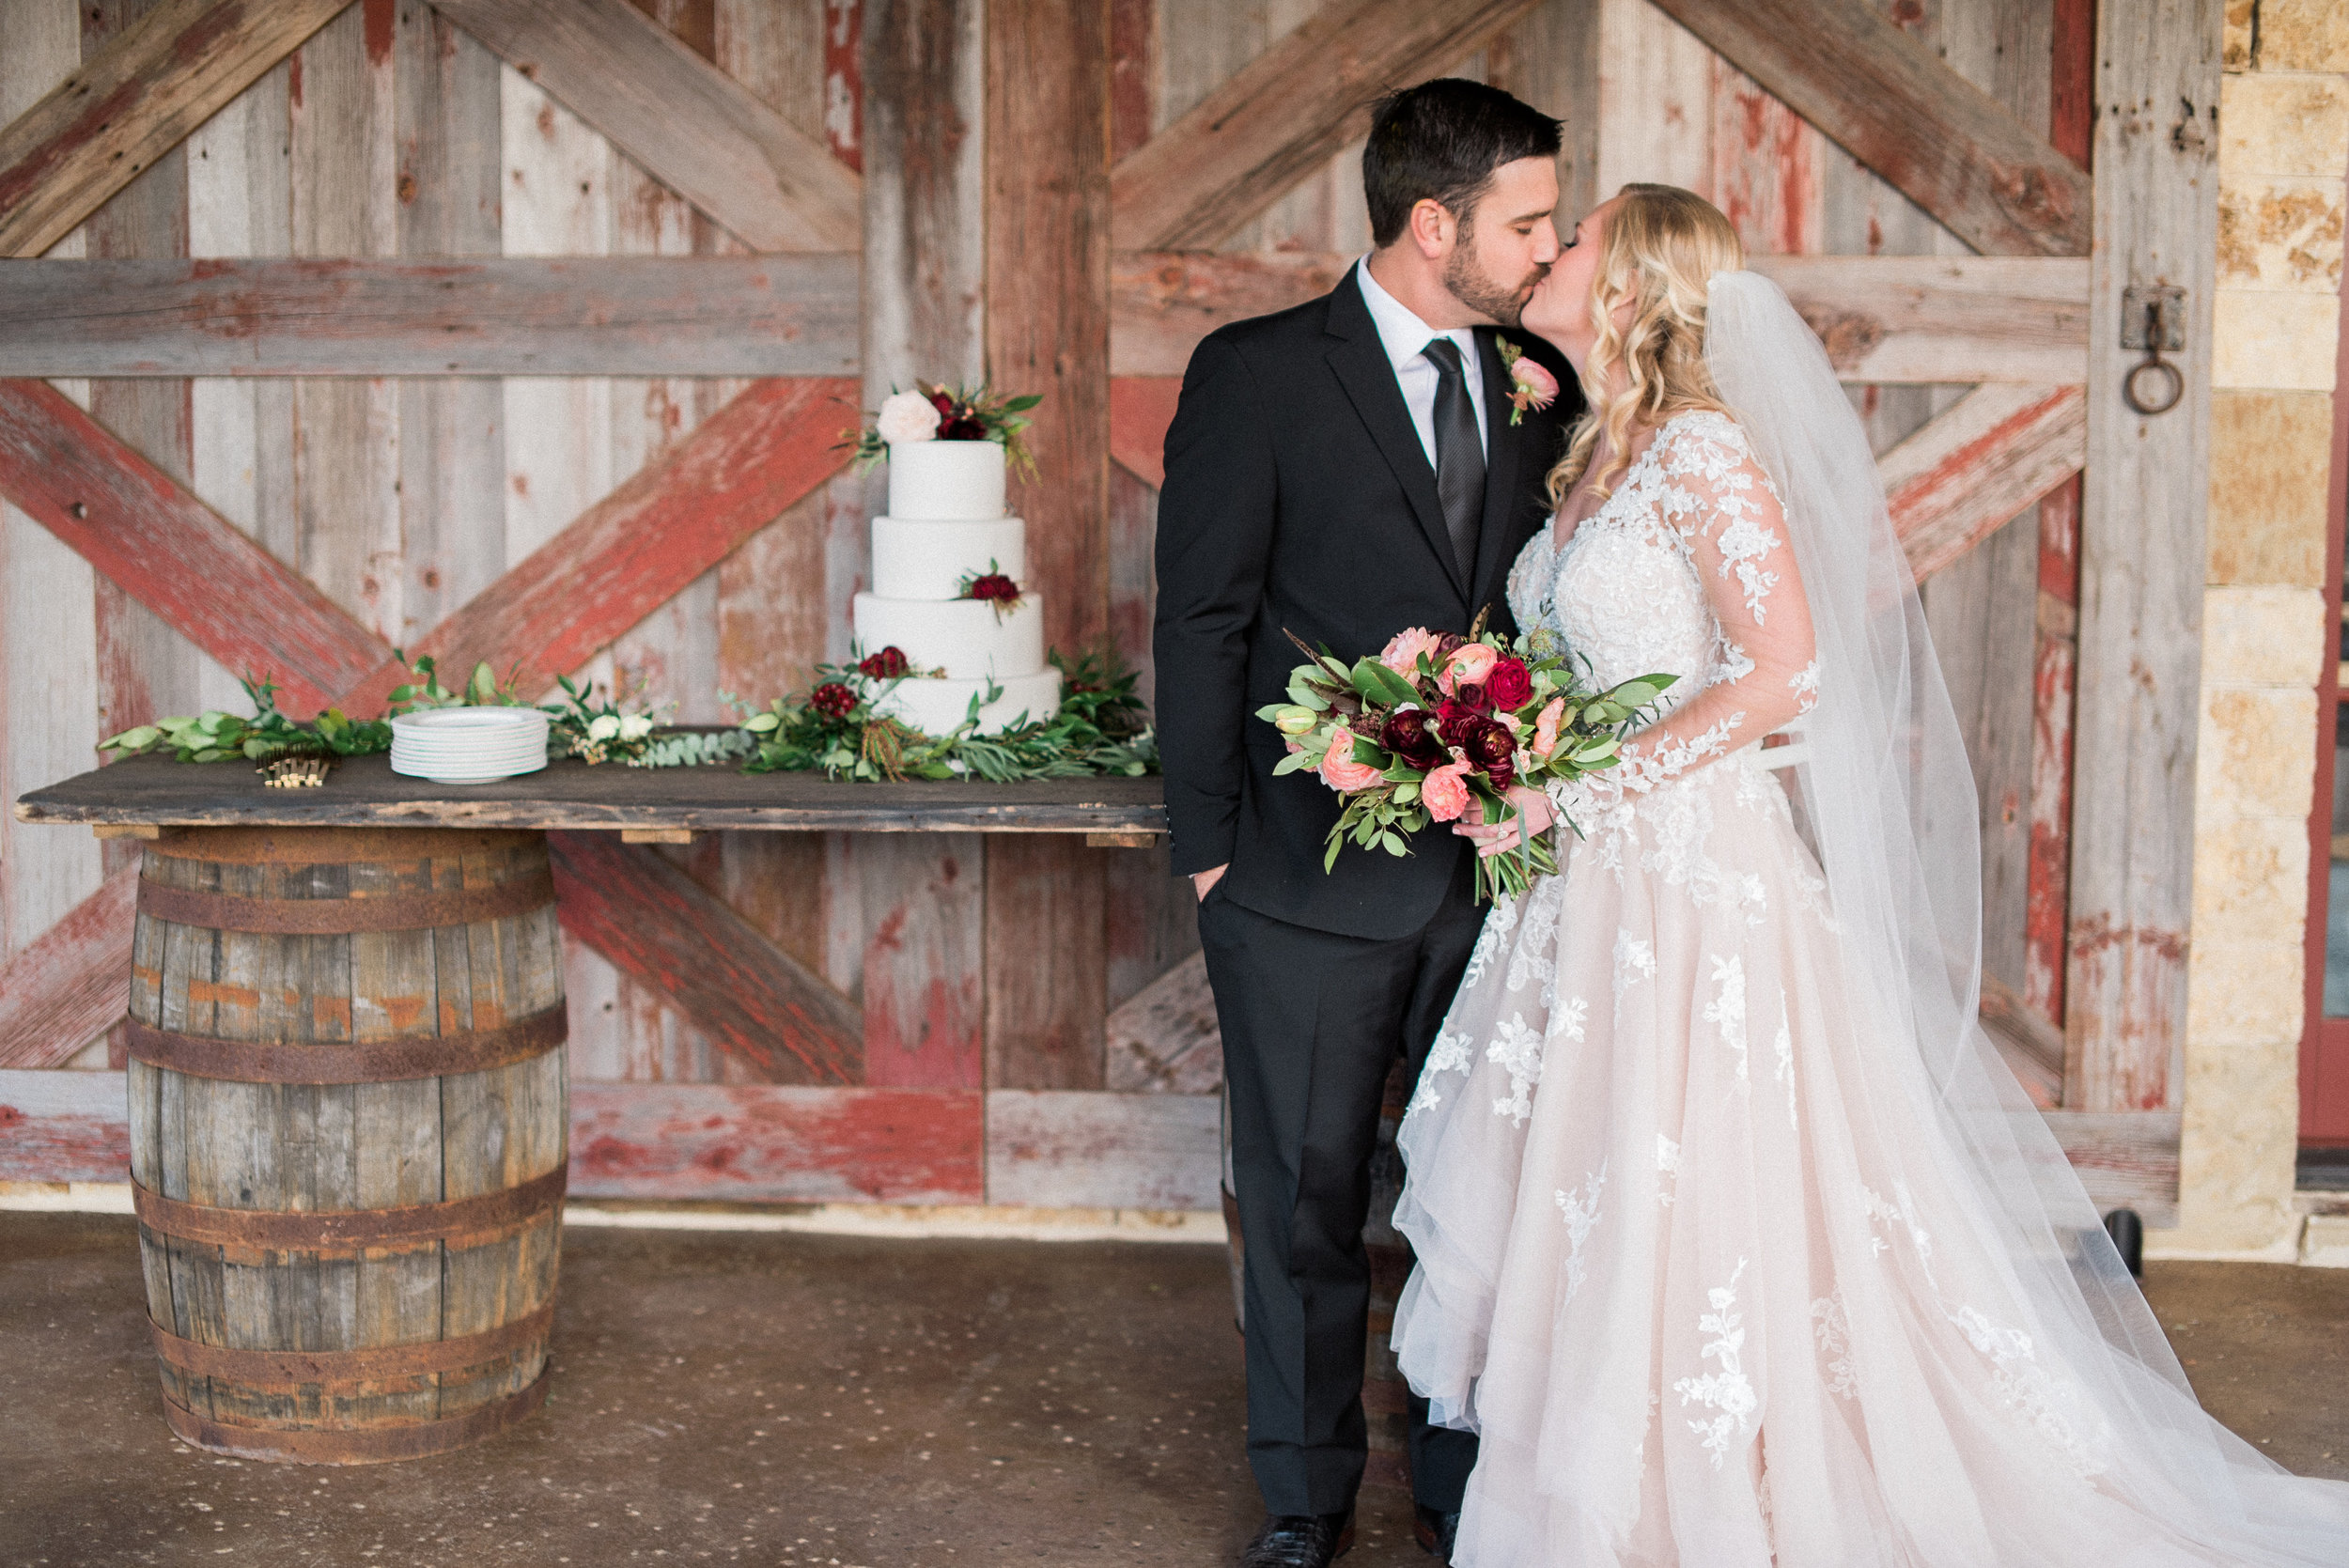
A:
(964, 638)
(913, 558)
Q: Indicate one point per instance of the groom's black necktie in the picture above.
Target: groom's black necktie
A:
(1459, 456)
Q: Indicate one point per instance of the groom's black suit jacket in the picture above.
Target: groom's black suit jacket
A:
(1297, 496)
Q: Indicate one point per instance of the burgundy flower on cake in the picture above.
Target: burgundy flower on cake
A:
(992, 587)
(832, 699)
(888, 664)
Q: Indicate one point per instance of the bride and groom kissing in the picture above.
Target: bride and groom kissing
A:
(1736, 1244)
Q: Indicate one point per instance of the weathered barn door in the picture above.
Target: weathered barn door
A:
(496, 330)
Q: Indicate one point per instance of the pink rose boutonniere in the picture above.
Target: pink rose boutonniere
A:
(1530, 385)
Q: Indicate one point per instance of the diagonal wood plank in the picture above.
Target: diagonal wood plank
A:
(692, 126)
(1944, 143)
(666, 930)
(174, 554)
(474, 316)
(1285, 112)
(135, 101)
(634, 550)
(69, 984)
(1962, 477)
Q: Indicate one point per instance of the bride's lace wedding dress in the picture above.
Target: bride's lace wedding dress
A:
(1703, 1255)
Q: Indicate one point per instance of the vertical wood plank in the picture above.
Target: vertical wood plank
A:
(49, 722)
(1654, 100)
(1549, 58)
(907, 932)
(240, 204)
(2055, 670)
(1982, 608)
(145, 668)
(1769, 167)
(1048, 332)
(2071, 116)
(347, 431)
(2142, 561)
(452, 450)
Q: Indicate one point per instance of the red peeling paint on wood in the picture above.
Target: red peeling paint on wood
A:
(1141, 409)
(71, 985)
(175, 554)
(764, 1143)
(20, 180)
(844, 81)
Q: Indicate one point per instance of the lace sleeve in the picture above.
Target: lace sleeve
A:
(1766, 668)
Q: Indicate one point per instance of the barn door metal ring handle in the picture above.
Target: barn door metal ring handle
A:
(2152, 317)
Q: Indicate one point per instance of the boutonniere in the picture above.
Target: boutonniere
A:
(1530, 385)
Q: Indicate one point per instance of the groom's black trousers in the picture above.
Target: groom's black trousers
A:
(1312, 1023)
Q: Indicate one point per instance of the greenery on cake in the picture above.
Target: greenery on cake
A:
(935, 412)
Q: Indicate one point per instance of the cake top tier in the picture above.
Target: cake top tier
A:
(945, 481)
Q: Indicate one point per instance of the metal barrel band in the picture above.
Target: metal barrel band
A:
(337, 1230)
(334, 917)
(416, 1056)
(365, 1445)
(277, 1371)
(340, 845)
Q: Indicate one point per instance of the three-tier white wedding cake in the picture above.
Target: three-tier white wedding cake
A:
(945, 530)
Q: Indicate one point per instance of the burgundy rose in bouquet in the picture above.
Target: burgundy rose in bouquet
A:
(1437, 726)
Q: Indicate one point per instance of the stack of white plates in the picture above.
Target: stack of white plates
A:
(469, 745)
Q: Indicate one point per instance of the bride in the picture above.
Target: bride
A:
(1737, 1244)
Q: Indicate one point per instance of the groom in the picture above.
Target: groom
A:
(1342, 470)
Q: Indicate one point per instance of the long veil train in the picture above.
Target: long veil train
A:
(1975, 1175)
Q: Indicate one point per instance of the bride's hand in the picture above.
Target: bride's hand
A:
(1533, 812)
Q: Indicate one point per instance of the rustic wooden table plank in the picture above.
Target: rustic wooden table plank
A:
(364, 792)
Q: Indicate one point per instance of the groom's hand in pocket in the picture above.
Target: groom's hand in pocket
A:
(1200, 881)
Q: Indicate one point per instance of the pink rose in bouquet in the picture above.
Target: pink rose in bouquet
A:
(1445, 792)
(1470, 663)
(1339, 769)
(1545, 728)
(1402, 649)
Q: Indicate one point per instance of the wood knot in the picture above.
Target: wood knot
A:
(1848, 336)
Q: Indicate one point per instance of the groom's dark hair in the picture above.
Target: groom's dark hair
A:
(1441, 141)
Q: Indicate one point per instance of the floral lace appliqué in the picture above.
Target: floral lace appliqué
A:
(1580, 1207)
(1728, 1391)
(1727, 1010)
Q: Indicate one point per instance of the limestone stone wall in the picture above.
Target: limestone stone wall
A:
(2283, 152)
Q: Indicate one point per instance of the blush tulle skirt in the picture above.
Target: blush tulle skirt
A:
(1721, 1285)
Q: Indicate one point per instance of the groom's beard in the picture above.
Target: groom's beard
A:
(1472, 289)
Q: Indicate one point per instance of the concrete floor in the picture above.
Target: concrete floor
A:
(816, 1400)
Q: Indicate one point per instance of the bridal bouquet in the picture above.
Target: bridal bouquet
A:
(1438, 724)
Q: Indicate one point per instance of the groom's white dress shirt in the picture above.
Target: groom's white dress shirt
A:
(1405, 337)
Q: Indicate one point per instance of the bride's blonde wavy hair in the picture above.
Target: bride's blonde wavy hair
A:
(1660, 249)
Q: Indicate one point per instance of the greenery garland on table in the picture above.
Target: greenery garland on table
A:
(833, 726)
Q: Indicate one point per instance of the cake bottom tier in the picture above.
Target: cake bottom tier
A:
(936, 707)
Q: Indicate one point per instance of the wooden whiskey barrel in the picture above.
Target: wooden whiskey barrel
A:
(348, 1131)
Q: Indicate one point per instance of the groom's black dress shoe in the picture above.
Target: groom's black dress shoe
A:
(1300, 1541)
(1435, 1531)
